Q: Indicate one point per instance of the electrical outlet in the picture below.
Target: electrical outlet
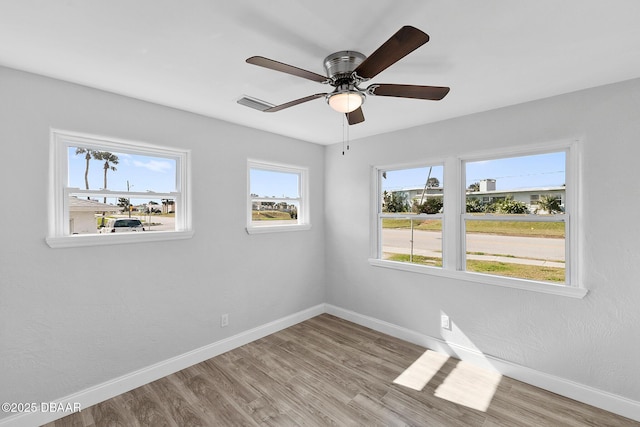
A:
(445, 322)
(224, 320)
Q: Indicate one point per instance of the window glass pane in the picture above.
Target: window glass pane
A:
(276, 197)
(275, 184)
(417, 190)
(523, 249)
(275, 212)
(516, 185)
(93, 169)
(99, 215)
(413, 240)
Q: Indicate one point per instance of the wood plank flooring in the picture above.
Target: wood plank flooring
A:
(327, 371)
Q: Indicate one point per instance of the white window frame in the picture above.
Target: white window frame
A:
(453, 255)
(405, 215)
(303, 222)
(58, 234)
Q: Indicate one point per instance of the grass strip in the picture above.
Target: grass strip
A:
(502, 228)
(520, 271)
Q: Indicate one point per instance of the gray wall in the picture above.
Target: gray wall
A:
(74, 318)
(593, 341)
(70, 319)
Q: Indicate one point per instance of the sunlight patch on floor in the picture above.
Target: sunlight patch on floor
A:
(470, 386)
(422, 370)
(472, 382)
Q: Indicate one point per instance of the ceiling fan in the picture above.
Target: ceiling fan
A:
(346, 70)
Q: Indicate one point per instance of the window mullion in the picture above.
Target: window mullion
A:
(451, 210)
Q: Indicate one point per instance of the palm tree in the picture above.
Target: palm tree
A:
(88, 154)
(110, 159)
(550, 204)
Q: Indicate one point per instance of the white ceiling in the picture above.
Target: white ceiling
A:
(190, 54)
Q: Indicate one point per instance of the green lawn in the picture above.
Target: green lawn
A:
(517, 228)
(417, 259)
(521, 271)
(270, 215)
(428, 224)
(504, 228)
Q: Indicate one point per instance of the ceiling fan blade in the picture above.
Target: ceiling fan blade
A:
(402, 43)
(295, 102)
(285, 68)
(433, 93)
(355, 117)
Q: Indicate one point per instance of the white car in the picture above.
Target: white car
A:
(122, 225)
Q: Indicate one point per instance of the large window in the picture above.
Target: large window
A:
(503, 218)
(515, 222)
(106, 191)
(278, 197)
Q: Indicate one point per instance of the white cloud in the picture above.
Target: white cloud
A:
(153, 165)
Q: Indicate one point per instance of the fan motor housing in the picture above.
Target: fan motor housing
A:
(341, 64)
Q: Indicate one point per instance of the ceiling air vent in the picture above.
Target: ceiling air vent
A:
(254, 103)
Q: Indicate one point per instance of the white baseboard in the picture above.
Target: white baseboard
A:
(580, 392)
(112, 388)
(101, 392)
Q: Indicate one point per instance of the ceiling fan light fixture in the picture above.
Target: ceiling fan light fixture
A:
(346, 102)
(346, 70)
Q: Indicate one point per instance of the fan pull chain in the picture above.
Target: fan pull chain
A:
(345, 131)
(344, 118)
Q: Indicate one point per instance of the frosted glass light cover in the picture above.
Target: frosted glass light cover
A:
(345, 102)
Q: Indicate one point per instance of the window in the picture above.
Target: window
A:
(106, 191)
(278, 198)
(517, 234)
(409, 215)
(503, 218)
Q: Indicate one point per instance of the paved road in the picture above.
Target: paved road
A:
(526, 250)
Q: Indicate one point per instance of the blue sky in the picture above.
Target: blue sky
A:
(143, 173)
(273, 184)
(539, 170)
(158, 174)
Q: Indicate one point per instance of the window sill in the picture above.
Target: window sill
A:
(505, 282)
(80, 240)
(277, 228)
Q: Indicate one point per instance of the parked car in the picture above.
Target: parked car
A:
(122, 225)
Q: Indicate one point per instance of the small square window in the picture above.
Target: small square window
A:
(278, 199)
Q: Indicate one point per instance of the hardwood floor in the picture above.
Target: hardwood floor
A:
(327, 371)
